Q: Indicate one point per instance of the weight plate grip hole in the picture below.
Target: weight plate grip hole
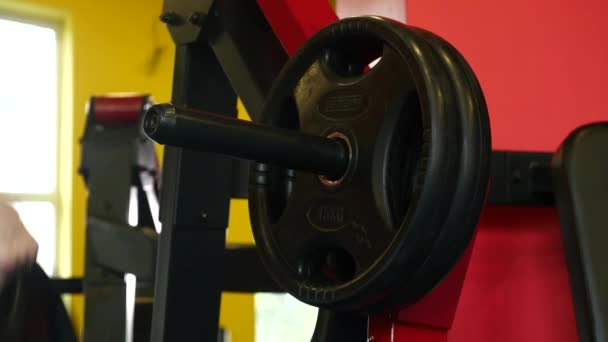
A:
(334, 181)
(328, 266)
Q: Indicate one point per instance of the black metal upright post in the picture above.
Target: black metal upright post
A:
(195, 200)
(104, 290)
(221, 45)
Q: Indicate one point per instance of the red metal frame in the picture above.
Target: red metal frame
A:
(429, 319)
(294, 21)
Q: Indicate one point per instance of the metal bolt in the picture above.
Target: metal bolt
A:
(516, 176)
(196, 18)
(170, 18)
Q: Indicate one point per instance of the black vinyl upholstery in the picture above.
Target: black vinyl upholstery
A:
(580, 177)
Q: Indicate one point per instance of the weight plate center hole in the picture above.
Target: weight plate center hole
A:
(334, 181)
(329, 266)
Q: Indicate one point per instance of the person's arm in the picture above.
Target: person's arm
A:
(17, 247)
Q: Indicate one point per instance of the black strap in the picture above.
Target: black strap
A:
(32, 311)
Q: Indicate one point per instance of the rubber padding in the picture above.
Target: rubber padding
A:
(473, 171)
(117, 109)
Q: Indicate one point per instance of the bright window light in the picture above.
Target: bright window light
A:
(133, 218)
(282, 318)
(28, 108)
(131, 288)
(39, 219)
(28, 133)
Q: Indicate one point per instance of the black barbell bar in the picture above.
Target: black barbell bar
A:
(183, 127)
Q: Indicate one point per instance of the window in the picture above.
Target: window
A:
(29, 130)
(282, 318)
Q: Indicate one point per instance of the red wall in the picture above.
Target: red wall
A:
(543, 66)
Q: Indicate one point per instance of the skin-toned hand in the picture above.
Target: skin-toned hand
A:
(17, 247)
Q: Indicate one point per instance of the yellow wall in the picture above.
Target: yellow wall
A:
(114, 46)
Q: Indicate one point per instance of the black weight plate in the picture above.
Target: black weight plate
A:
(398, 241)
(366, 288)
(473, 174)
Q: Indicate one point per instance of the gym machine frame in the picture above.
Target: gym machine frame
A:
(225, 47)
(195, 191)
(228, 47)
(117, 159)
